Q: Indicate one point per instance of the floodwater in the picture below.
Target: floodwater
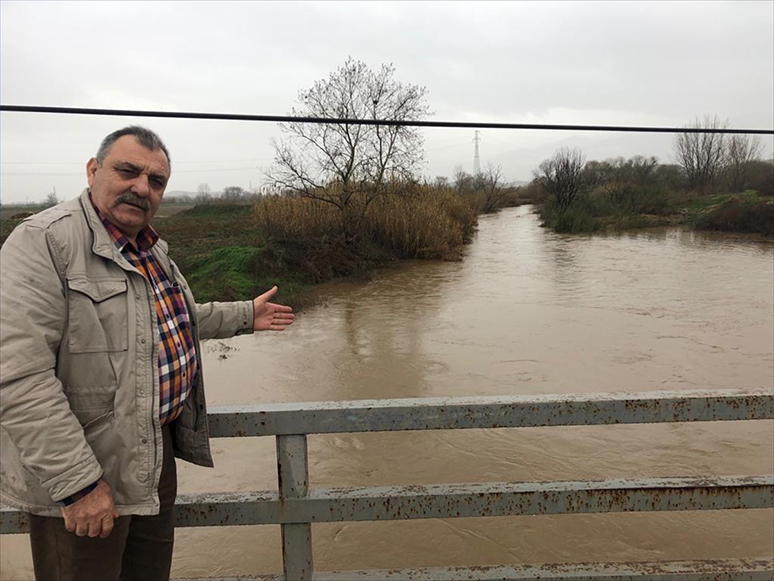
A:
(526, 312)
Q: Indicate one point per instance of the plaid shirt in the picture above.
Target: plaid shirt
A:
(177, 355)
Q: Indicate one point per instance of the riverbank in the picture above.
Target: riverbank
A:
(234, 252)
(746, 212)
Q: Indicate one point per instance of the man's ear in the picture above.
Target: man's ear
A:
(91, 169)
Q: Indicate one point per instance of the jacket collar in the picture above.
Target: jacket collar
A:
(102, 243)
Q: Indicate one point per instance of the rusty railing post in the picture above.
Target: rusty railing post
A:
(293, 472)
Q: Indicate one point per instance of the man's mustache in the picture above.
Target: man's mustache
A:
(129, 198)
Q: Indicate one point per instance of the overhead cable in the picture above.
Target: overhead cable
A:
(389, 122)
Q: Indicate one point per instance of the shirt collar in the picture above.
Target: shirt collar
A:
(146, 237)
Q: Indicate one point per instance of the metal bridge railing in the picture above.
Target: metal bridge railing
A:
(295, 507)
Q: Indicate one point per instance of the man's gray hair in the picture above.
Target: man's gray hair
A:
(146, 137)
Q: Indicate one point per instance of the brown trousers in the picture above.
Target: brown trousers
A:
(138, 549)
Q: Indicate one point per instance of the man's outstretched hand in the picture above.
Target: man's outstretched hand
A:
(270, 316)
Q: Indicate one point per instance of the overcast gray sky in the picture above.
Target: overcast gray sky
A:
(625, 63)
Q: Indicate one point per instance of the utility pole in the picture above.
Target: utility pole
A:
(476, 160)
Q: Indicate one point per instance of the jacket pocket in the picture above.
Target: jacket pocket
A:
(92, 407)
(98, 315)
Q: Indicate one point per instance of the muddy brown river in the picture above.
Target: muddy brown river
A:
(526, 312)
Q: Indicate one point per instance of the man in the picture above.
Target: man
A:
(100, 371)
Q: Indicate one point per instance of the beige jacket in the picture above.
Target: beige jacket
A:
(79, 381)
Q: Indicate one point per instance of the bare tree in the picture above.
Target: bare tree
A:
(600, 173)
(441, 182)
(740, 151)
(640, 170)
(348, 165)
(233, 194)
(490, 180)
(619, 179)
(562, 176)
(702, 156)
(203, 194)
(51, 200)
(463, 181)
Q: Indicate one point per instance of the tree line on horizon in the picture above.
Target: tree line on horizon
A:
(704, 163)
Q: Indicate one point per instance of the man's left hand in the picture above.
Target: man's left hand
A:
(270, 316)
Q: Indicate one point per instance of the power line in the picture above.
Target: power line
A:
(460, 144)
(388, 122)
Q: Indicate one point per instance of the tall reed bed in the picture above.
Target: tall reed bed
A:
(414, 222)
(296, 218)
(425, 223)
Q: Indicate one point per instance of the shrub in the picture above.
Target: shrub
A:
(738, 215)
(578, 217)
(761, 176)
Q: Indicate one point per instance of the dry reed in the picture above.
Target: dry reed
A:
(418, 222)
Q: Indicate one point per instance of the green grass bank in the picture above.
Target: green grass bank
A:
(745, 212)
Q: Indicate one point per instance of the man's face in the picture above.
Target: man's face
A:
(129, 184)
